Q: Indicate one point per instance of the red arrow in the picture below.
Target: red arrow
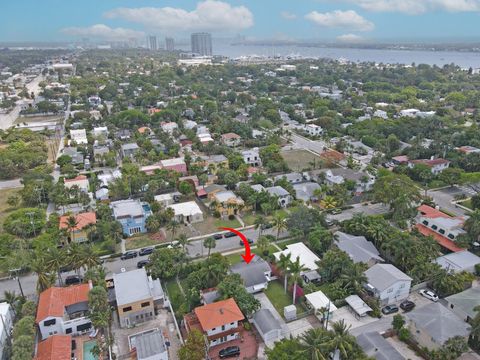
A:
(248, 255)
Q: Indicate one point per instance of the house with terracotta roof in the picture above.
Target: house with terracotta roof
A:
(81, 181)
(436, 165)
(176, 164)
(63, 311)
(231, 139)
(56, 347)
(218, 321)
(83, 221)
(442, 227)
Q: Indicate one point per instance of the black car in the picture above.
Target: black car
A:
(142, 263)
(73, 279)
(217, 236)
(266, 226)
(407, 305)
(146, 251)
(230, 351)
(250, 241)
(390, 309)
(229, 234)
(129, 255)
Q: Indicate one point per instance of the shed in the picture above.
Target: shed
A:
(269, 328)
(357, 305)
(319, 302)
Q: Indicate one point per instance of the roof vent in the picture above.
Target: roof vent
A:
(221, 311)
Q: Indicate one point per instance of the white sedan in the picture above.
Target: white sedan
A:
(430, 295)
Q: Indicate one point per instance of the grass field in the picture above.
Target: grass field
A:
(276, 294)
(140, 242)
(299, 160)
(5, 209)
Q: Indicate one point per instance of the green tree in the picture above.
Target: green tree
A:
(263, 243)
(295, 269)
(285, 349)
(398, 322)
(342, 340)
(284, 264)
(194, 347)
(232, 287)
(279, 222)
(314, 344)
(210, 243)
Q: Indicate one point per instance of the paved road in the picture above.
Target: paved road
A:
(10, 184)
(370, 209)
(444, 198)
(7, 120)
(300, 142)
(29, 282)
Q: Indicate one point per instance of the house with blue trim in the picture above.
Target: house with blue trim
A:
(132, 214)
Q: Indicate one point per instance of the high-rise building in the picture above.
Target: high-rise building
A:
(169, 44)
(152, 42)
(202, 44)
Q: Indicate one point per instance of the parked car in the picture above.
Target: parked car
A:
(250, 241)
(129, 255)
(142, 263)
(217, 236)
(336, 211)
(146, 251)
(229, 234)
(266, 226)
(430, 295)
(407, 305)
(230, 351)
(390, 309)
(73, 279)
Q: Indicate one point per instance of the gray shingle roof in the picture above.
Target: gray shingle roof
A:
(150, 344)
(265, 321)
(132, 286)
(376, 346)
(382, 276)
(357, 247)
(252, 273)
(466, 300)
(439, 322)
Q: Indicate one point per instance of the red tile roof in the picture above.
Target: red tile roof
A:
(218, 313)
(52, 302)
(441, 240)
(430, 163)
(333, 155)
(56, 347)
(181, 168)
(83, 220)
(230, 136)
(142, 129)
(431, 212)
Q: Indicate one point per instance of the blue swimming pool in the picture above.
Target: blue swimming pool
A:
(87, 350)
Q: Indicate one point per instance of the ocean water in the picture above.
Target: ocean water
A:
(439, 58)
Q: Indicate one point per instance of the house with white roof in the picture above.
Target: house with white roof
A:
(6, 324)
(464, 303)
(306, 257)
(169, 127)
(100, 131)
(187, 212)
(79, 136)
(252, 157)
(321, 304)
(283, 196)
(387, 283)
(313, 130)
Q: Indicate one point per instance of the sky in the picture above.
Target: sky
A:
(339, 20)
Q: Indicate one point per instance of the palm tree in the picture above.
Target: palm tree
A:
(45, 278)
(283, 264)
(172, 226)
(354, 277)
(280, 223)
(183, 242)
(55, 261)
(71, 223)
(342, 340)
(89, 258)
(472, 225)
(314, 344)
(259, 223)
(209, 243)
(263, 244)
(329, 202)
(74, 256)
(295, 269)
(11, 299)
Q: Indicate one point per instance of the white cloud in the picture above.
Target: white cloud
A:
(415, 7)
(288, 15)
(341, 19)
(350, 38)
(209, 15)
(104, 32)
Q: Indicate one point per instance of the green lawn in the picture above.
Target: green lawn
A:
(283, 244)
(276, 294)
(5, 209)
(467, 204)
(299, 160)
(227, 223)
(176, 297)
(141, 241)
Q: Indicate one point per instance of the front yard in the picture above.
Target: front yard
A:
(299, 160)
(143, 240)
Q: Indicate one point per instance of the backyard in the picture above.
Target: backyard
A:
(299, 160)
(4, 207)
(276, 294)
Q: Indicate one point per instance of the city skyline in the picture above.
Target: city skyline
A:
(346, 21)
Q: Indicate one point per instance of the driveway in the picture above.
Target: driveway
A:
(346, 315)
(444, 198)
(368, 209)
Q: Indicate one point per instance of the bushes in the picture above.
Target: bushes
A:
(404, 334)
(24, 336)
